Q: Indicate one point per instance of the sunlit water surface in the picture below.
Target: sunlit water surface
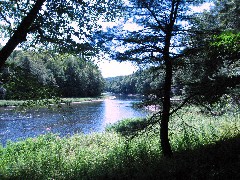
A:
(85, 118)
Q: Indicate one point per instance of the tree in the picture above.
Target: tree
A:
(21, 32)
(57, 25)
(75, 77)
(213, 71)
(177, 41)
(141, 82)
(227, 14)
(163, 38)
(22, 82)
(29, 75)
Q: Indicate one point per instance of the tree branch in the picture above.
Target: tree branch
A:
(183, 103)
(5, 19)
(21, 33)
(155, 17)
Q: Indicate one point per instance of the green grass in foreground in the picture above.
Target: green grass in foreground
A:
(205, 148)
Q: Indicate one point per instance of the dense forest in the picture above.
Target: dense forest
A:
(142, 82)
(37, 75)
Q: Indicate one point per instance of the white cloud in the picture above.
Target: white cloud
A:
(113, 68)
(205, 6)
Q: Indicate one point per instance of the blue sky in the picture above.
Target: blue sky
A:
(110, 68)
(113, 68)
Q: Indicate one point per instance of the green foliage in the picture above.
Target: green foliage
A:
(64, 25)
(214, 71)
(11, 103)
(22, 85)
(190, 128)
(227, 41)
(121, 84)
(54, 102)
(41, 76)
(111, 156)
(228, 12)
(76, 77)
(141, 82)
(129, 127)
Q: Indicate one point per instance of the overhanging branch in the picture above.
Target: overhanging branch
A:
(186, 100)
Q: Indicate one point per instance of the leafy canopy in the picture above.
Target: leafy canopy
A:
(60, 25)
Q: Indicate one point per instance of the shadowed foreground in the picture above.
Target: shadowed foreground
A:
(217, 161)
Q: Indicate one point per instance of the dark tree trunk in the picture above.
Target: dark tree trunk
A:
(166, 148)
(165, 144)
(20, 34)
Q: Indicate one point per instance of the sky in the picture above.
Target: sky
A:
(114, 68)
(111, 68)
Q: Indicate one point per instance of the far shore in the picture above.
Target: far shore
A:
(52, 102)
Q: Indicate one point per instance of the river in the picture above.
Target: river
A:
(84, 117)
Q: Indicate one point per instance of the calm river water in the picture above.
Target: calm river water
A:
(85, 118)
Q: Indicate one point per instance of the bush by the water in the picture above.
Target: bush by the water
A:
(205, 148)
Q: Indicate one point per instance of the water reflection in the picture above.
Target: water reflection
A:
(116, 110)
(78, 118)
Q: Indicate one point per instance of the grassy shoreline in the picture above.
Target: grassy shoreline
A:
(205, 148)
(47, 102)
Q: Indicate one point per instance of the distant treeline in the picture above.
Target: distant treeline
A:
(31, 75)
(141, 82)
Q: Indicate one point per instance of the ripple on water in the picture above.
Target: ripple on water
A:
(80, 118)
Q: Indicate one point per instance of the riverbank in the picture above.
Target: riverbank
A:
(52, 102)
(204, 147)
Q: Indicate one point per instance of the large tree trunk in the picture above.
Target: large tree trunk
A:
(166, 148)
(20, 34)
(165, 143)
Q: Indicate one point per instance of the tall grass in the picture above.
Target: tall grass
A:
(190, 128)
(49, 156)
(110, 155)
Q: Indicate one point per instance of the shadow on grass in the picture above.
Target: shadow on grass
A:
(217, 161)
